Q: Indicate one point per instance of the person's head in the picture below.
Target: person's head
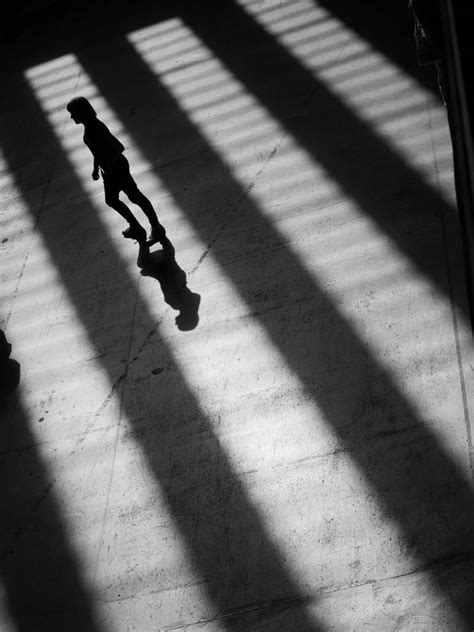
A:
(81, 110)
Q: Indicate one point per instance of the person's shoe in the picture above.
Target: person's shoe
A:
(135, 232)
(157, 234)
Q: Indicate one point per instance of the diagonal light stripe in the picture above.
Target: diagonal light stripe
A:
(370, 84)
(396, 312)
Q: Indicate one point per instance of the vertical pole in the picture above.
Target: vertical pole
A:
(461, 137)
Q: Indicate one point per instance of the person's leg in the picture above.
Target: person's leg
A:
(125, 182)
(123, 210)
(130, 188)
(111, 189)
(158, 232)
(138, 198)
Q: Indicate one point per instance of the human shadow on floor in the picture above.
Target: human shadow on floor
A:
(161, 265)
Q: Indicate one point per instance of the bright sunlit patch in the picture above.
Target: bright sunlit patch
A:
(370, 283)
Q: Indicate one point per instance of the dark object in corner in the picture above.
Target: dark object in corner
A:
(9, 369)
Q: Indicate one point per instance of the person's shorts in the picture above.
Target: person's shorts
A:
(118, 178)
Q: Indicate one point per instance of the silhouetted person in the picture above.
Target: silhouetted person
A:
(109, 161)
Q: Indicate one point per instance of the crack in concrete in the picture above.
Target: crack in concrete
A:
(244, 195)
(280, 605)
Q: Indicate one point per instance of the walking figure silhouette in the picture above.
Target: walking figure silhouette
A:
(110, 162)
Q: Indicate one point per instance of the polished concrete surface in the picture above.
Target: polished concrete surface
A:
(284, 444)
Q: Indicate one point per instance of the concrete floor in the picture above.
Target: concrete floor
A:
(286, 445)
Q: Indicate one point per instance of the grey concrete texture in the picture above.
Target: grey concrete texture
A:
(284, 443)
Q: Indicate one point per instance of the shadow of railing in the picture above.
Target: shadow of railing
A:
(209, 505)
